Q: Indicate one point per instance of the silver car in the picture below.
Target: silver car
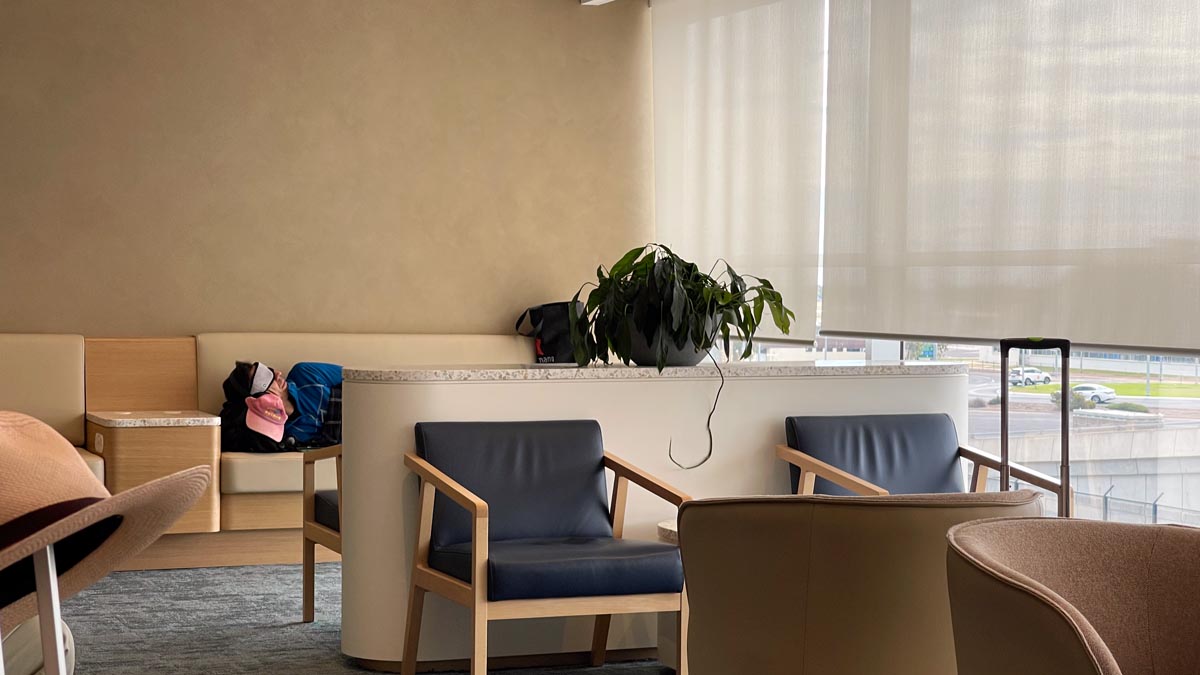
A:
(1096, 393)
(1027, 376)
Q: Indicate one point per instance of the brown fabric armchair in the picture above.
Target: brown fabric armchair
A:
(819, 584)
(1074, 597)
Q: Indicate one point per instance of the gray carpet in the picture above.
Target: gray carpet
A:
(226, 620)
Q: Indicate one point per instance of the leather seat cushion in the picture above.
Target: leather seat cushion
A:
(904, 454)
(325, 510)
(94, 462)
(248, 472)
(568, 567)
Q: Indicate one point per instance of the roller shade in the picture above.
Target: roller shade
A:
(1004, 168)
(737, 139)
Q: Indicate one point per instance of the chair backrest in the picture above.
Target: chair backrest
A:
(817, 584)
(540, 479)
(904, 454)
(1075, 596)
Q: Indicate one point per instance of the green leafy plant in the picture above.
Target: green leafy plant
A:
(1129, 407)
(652, 292)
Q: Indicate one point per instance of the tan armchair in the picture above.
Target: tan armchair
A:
(1074, 597)
(818, 584)
(322, 519)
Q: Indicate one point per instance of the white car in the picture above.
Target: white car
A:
(1027, 376)
(1096, 393)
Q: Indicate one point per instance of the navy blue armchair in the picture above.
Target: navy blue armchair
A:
(515, 523)
(887, 454)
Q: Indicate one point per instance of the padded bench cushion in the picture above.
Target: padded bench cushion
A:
(42, 376)
(568, 567)
(94, 462)
(246, 472)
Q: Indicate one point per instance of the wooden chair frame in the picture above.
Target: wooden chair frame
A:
(983, 462)
(474, 595)
(314, 532)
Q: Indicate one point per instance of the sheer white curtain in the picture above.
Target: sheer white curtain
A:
(737, 139)
(1015, 167)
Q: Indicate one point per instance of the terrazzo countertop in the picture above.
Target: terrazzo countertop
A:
(494, 373)
(153, 418)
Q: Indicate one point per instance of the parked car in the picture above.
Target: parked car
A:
(1096, 393)
(1027, 376)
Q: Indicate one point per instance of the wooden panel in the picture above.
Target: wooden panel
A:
(140, 373)
(262, 511)
(584, 606)
(225, 549)
(134, 456)
(512, 662)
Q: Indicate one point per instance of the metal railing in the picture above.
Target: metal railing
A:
(1091, 506)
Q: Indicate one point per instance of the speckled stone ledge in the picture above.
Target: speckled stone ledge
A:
(493, 373)
(153, 418)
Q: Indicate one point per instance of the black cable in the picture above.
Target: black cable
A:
(707, 425)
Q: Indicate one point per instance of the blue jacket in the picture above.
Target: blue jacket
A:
(309, 387)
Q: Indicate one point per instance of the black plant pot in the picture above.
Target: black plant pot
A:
(641, 353)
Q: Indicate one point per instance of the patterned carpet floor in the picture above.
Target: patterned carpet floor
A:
(226, 620)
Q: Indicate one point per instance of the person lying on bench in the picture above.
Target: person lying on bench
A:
(268, 411)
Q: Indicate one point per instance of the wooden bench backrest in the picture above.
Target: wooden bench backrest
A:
(141, 373)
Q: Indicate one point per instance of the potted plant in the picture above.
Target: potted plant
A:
(654, 308)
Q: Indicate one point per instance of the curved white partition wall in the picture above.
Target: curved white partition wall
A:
(641, 413)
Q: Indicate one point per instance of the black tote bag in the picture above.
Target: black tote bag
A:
(550, 327)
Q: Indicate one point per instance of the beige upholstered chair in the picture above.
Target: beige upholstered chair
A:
(1070, 597)
(322, 519)
(818, 584)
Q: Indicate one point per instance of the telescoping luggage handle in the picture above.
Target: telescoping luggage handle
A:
(1064, 468)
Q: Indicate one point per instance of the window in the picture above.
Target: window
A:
(1135, 430)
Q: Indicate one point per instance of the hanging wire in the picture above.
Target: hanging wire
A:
(707, 425)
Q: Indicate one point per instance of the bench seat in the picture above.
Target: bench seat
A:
(94, 462)
(258, 472)
(42, 376)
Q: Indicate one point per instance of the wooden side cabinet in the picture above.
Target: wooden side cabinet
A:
(139, 446)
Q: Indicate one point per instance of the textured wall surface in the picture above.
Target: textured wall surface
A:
(375, 165)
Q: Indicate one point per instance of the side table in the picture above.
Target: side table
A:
(141, 445)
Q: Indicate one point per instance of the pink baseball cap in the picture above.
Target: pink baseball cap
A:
(265, 414)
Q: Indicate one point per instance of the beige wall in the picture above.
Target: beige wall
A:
(341, 165)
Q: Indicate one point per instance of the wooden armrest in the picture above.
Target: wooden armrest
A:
(310, 459)
(449, 487)
(310, 456)
(1018, 471)
(828, 471)
(635, 475)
